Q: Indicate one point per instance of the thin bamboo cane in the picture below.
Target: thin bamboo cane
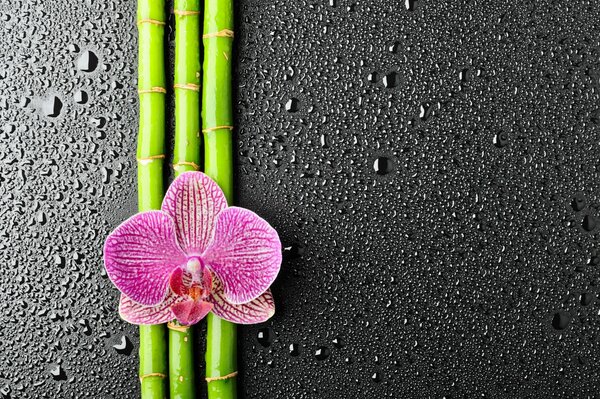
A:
(217, 125)
(186, 157)
(150, 155)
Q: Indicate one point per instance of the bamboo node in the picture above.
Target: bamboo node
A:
(150, 21)
(210, 129)
(187, 86)
(155, 89)
(221, 378)
(186, 163)
(222, 33)
(177, 327)
(160, 375)
(151, 158)
(184, 13)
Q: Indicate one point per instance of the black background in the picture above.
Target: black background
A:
(432, 168)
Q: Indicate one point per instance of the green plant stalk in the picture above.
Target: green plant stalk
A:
(187, 85)
(151, 138)
(221, 339)
(186, 157)
(221, 357)
(181, 364)
(153, 359)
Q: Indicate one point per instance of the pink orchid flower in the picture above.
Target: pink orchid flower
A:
(194, 256)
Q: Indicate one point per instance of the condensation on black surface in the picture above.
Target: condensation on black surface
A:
(432, 168)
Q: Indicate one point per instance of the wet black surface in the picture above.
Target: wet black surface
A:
(431, 166)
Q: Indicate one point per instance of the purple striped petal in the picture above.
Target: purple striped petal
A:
(256, 311)
(140, 255)
(245, 254)
(190, 312)
(135, 313)
(193, 201)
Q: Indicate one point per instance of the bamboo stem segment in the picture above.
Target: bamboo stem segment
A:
(186, 157)
(221, 358)
(153, 362)
(187, 84)
(217, 114)
(182, 379)
(150, 150)
(217, 125)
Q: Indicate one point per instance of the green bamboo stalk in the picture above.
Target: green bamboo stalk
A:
(217, 125)
(150, 155)
(153, 361)
(221, 357)
(181, 363)
(186, 157)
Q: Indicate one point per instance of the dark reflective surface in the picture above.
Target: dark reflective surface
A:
(432, 168)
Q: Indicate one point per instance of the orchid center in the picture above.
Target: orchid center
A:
(195, 266)
(201, 284)
(196, 292)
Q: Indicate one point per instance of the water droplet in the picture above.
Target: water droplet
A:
(87, 62)
(292, 105)
(589, 223)
(57, 373)
(586, 298)
(383, 165)
(87, 330)
(578, 203)
(465, 75)
(41, 218)
(294, 251)
(376, 377)
(501, 139)
(124, 346)
(265, 337)
(59, 261)
(426, 111)
(561, 320)
(294, 349)
(338, 343)
(391, 80)
(410, 4)
(322, 353)
(52, 107)
(80, 97)
(98, 122)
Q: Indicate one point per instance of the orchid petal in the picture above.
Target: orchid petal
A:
(180, 282)
(193, 201)
(190, 312)
(141, 254)
(256, 311)
(135, 313)
(245, 254)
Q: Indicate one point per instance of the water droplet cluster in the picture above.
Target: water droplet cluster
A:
(433, 170)
(68, 112)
